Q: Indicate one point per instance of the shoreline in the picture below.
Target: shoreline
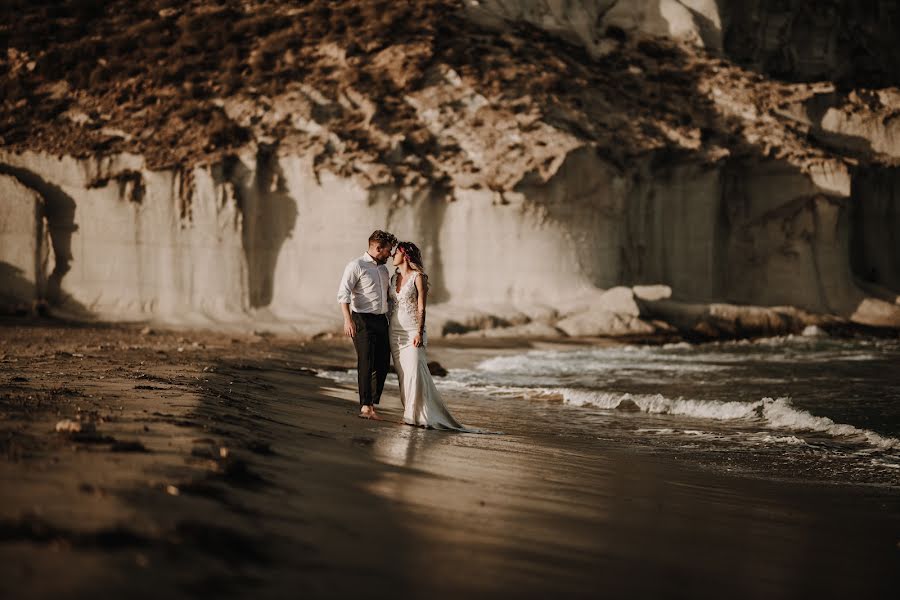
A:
(489, 338)
(229, 467)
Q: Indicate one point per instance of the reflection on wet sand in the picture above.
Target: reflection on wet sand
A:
(409, 445)
(269, 486)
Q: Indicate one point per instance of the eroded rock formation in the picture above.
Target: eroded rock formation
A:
(539, 153)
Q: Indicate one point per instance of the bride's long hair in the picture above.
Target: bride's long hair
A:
(414, 255)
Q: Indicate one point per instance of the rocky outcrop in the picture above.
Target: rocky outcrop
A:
(715, 321)
(615, 312)
(555, 162)
(264, 238)
(587, 23)
(852, 43)
(848, 42)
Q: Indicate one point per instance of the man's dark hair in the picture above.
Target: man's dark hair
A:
(382, 237)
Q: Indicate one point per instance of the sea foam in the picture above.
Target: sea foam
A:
(770, 413)
(774, 413)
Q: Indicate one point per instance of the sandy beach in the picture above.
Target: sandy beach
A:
(661, 262)
(219, 465)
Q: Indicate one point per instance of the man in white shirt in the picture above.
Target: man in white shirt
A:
(363, 296)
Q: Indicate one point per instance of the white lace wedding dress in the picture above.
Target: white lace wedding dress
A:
(422, 404)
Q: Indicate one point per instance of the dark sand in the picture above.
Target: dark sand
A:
(229, 469)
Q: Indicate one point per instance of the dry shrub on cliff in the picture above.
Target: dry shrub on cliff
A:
(190, 51)
(161, 70)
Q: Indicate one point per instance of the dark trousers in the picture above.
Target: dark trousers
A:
(373, 355)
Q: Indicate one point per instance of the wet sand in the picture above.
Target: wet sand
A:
(221, 465)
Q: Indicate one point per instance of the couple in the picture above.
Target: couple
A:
(385, 316)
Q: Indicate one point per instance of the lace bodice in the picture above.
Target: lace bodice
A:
(404, 305)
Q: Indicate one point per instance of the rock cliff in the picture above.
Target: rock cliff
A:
(218, 162)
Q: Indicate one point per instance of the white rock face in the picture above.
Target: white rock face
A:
(574, 242)
(22, 238)
(584, 22)
(837, 121)
(862, 132)
(263, 240)
(695, 21)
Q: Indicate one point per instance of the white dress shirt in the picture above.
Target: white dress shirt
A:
(364, 286)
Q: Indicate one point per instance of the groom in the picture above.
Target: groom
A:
(363, 296)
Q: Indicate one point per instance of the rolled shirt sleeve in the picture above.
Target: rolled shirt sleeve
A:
(348, 282)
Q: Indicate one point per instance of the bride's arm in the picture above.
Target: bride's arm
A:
(422, 290)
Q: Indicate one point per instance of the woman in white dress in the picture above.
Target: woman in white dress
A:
(422, 404)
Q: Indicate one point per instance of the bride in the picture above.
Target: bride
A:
(422, 404)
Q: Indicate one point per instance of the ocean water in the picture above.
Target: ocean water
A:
(787, 407)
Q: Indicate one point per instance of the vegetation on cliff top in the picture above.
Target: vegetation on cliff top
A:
(393, 91)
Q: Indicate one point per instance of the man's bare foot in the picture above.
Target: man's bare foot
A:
(368, 412)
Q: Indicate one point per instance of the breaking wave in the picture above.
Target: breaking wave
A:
(773, 413)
